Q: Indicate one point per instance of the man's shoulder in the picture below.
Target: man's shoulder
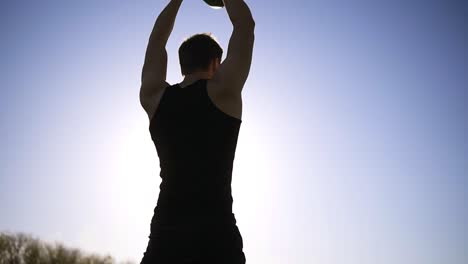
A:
(150, 95)
(229, 102)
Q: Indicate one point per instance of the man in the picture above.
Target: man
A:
(194, 125)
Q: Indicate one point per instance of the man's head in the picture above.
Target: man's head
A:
(200, 53)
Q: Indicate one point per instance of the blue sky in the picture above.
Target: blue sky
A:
(353, 146)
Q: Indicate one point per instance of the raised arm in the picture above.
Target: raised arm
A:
(155, 66)
(233, 72)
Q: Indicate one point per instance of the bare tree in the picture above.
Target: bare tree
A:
(21, 248)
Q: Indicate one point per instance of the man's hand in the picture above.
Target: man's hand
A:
(239, 12)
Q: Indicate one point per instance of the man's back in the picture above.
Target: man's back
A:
(196, 144)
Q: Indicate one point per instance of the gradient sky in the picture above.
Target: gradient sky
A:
(353, 146)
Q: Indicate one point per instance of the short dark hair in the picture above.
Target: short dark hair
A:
(197, 52)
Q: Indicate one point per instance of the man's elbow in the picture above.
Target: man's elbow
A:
(251, 22)
(245, 24)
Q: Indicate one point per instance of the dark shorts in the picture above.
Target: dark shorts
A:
(194, 244)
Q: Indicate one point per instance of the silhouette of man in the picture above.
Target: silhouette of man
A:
(195, 125)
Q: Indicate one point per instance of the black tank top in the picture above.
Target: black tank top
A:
(196, 143)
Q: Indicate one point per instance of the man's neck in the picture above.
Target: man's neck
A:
(191, 78)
